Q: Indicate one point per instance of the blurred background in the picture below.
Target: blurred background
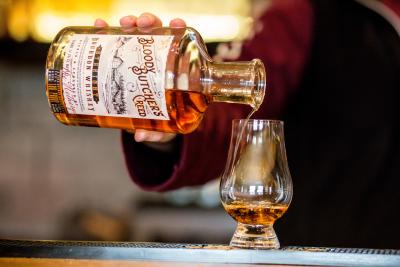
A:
(59, 182)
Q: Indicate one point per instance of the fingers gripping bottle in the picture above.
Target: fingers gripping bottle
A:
(161, 80)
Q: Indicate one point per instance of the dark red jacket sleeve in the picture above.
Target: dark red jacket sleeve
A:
(282, 41)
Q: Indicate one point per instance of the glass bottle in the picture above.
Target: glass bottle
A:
(162, 79)
(256, 187)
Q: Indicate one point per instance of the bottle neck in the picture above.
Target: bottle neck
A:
(236, 82)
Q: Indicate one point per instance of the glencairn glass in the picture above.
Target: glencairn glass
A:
(256, 187)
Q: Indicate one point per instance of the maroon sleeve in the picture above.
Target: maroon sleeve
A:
(282, 41)
(394, 5)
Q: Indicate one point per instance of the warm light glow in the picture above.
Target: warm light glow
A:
(47, 24)
(216, 27)
(42, 19)
(4, 4)
(222, 20)
(18, 21)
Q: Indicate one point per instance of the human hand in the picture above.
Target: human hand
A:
(146, 21)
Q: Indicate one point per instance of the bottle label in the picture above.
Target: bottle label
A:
(116, 75)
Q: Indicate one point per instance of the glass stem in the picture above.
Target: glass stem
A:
(255, 236)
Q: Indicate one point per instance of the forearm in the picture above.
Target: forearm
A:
(283, 44)
(150, 165)
(196, 158)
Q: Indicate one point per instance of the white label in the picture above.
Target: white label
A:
(116, 75)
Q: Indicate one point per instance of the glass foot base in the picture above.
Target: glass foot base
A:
(255, 237)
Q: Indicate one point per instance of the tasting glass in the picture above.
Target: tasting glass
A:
(256, 187)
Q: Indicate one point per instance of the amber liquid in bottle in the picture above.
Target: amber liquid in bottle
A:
(255, 214)
(186, 109)
(194, 82)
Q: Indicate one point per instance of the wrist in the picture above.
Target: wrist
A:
(166, 147)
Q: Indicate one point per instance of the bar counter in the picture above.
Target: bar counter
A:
(129, 254)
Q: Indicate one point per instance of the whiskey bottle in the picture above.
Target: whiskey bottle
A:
(161, 80)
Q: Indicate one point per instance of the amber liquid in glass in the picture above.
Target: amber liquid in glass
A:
(255, 214)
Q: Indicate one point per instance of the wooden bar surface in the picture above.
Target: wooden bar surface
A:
(31, 253)
(32, 262)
